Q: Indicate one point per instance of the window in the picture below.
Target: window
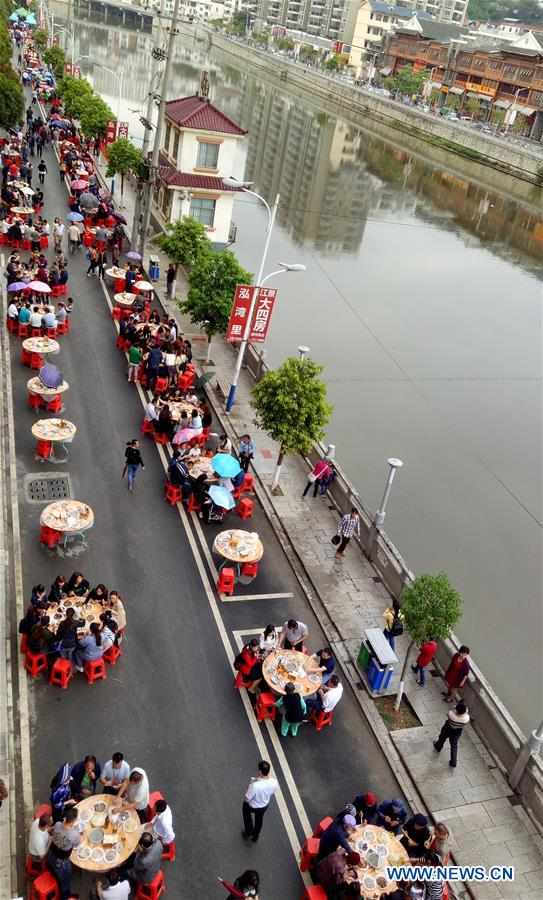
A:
(167, 137)
(208, 155)
(203, 211)
(175, 145)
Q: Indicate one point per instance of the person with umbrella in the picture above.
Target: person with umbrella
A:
(245, 885)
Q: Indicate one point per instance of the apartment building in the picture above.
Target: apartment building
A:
(332, 19)
(375, 19)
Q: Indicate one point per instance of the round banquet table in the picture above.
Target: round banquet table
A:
(57, 431)
(41, 345)
(69, 517)
(22, 210)
(372, 878)
(36, 386)
(90, 612)
(200, 465)
(153, 328)
(126, 833)
(179, 406)
(125, 299)
(115, 272)
(305, 675)
(239, 546)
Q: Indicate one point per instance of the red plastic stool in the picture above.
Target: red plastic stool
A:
(23, 645)
(169, 852)
(45, 888)
(35, 331)
(35, 663)
(49, 536)
(61, 673)
(112, 654)
(62, 327)
(44, 449)
(160, 438)
(95, 669)
(320, 718)
(322, 826)
(116, 313)
(314, 892)
(250, 570)
(119, 285)
(151, 891)
(239, 681)
(27, 244)
(309, 853)
(248, 486)
(54, 405)
(23, 330)
(51, 332)
(172, 493)
(12, 325)
(154, 797)
(161, 385)
(36, 361)
(34, 867)
(193, 505)
(34, 400)
(25, 356)
(265, 707)
(245, 508)
(147, 427)
(225, 581)
(44, 242)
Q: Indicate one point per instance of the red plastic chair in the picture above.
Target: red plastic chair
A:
(36, 361)
(61, 673)
(151, 891)
(116, 313)
(154, 797)
(44, 449)
(35, 663)
(250, 570)
(95, 670)
(314, 892)
(51, 332)
(88, 239)
(54, 405)
(45, 888)
(49, 536)
(160, 438)
(169, 852)
(34, 400)
(240, 682)
(245, 508)
(147, 427)
(34, 867)
(23, 644)
(27, 245)
(185, 381)
(193, 505)
(322, 826)
(161, 385)
(309, 853)
(113, 654)
(62, 328)
(44, 242)
(320, 718)
(12, 325)
(34, 331)
(172, 493)
(24, 330)
(119, 285)
(265, 707)
(226, 581)
(248, 486)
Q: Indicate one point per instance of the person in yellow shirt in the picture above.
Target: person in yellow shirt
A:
(394, 622)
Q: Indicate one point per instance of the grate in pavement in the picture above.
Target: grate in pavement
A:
(46, 488)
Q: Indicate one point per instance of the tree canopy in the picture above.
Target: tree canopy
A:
(54, 57)
(213, 280)
(95, 117)
(11, 101)
(185, 241)
(40, 38)
(406, 81)
(123, 157)
(76, 94)
(493, 10)
(431, 607)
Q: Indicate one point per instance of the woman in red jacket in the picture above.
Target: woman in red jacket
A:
(427, 652)
(457, 674)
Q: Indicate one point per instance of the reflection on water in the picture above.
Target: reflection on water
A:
(422, 298)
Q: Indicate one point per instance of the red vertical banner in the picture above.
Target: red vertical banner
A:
(239, 313)
(262, 315)
(76, 71)
(122, 130)
(67, 68)
(111, 132)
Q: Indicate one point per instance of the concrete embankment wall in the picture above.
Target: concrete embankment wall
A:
(371, 110)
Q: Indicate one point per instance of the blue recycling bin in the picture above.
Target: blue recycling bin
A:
(382, 660)
(154, 269)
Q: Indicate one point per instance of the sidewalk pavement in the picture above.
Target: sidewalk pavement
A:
(487, 824)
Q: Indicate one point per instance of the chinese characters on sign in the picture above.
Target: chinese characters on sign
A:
(239, 312)
(111, 132)
(67, 68)
(122, 131)
(261, 319)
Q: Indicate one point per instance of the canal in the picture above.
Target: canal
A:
(422, 299)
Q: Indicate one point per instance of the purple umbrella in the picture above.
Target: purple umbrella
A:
(133, 255)
(17, 286)
(50, 376)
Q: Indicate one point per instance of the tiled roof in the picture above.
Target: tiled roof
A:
(170, 176)
(195, 112)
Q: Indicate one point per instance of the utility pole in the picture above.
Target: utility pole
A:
(158, 132)
(157, 55)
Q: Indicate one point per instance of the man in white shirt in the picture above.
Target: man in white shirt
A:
(13, 312)
(74, 236)
(40, 837)
(35, 318)
(327, 697)
(257, 799)
(163, 823)
(116, 887)
(151, 412)
(49, 320)
(115, 774)
(293, 635)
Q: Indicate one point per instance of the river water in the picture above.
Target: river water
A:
(422, 299)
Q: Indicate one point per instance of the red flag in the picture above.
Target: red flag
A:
(233, 890)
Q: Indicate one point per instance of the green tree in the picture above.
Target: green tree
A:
(55, 58)
(238, 23)
(406, 81)
(123, 157)
(76, 93)
(285, 43)
(95, 117)
(185, 242)
(291, 405)
(431, 609)
(11, 101)
(213, 279)
(40, 38)
(332, 64)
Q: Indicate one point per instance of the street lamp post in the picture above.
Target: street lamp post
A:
(380, 515)
(533, 745)
(119, 76)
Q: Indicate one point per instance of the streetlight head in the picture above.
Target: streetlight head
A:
(303, 351)
(394, 463)
(230, 181)
(292, 267)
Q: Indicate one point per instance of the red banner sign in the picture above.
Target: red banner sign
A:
(262, 315)
(122, 130)
(76, 71)
(239, 312)
(67, 68)
(111, 132)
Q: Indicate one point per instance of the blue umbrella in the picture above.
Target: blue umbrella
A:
(225, 465)
(221, 497)
(75, 217)
(31, 20)
(14, 17)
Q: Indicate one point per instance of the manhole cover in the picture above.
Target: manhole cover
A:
(46, 488)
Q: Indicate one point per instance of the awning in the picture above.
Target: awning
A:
(435, 84)
(456, 90)
(386, 71)
(525, 110)
(473, 95)
(502, 104)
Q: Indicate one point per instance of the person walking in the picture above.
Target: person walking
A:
(170, 280)
(42, 171)
(74, 237)
(133, 462)
(93, 261)
(65, 836)
(452, 729)
(349, 524)
(427, 652)
(394, 623)
(457, 674)
(320, 471)
(135, 356)
(58, 234)
(262, 788)
(246, 451)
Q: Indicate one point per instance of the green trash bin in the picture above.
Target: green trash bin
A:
(364, 656)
